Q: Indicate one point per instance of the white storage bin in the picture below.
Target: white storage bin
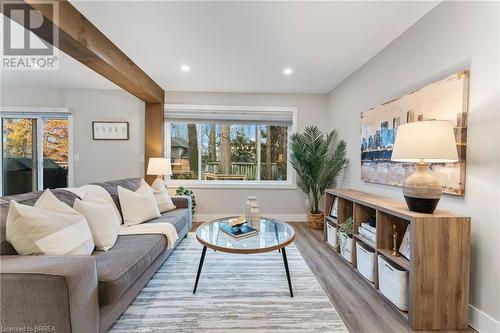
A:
(331, 235)
(393, 283)
(365, 259)
(346, 246)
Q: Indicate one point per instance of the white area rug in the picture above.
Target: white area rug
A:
(236, 293)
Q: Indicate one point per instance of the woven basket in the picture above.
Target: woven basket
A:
(315, 221)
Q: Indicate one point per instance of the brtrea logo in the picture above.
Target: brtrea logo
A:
(30, 35)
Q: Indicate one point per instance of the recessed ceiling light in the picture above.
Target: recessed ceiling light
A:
(185, 68)
(288, 71)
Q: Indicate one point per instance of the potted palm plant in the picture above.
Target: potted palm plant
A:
(319, 160)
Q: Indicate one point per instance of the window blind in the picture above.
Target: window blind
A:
(277, 116)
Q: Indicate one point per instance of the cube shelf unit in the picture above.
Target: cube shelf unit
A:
(439, 264)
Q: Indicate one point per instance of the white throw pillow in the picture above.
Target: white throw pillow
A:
(102, 220)
(139, 206)
(162, 196)
(99, 191)
(48, 227)
(79, 191)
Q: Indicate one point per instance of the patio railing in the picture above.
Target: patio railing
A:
(244, 170)
(213, 171)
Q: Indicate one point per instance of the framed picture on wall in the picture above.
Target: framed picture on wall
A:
(110, 130)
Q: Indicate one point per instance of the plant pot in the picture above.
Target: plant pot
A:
(315, 221)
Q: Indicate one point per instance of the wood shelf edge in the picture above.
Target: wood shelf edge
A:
(365, 241)
(400, 261)
(390, 206)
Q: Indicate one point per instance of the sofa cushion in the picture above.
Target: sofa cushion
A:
(131, 184)
(48, 227)
(162, 197)
(178, 217)
(26, 199)
(96, 193)
(119, 267)
(102, 219)
(139, 206)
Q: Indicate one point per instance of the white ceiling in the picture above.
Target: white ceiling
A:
(238, 46)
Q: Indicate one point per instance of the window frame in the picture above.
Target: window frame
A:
(289, 183)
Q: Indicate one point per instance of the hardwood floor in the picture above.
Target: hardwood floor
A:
(357, 303)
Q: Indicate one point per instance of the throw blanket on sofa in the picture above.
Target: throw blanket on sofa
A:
(166, 229)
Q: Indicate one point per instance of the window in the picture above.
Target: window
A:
(55, 148)
(229, 152)
(274, 153)
(184, 151)
(35, 151)
(225, 145)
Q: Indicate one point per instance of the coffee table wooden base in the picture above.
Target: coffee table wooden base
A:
(285, 262)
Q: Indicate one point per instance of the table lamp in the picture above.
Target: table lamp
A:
(424, 142)
(159, 167)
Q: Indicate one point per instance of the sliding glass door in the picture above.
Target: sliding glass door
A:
(55, 153)
(19, 162)
(35, 152)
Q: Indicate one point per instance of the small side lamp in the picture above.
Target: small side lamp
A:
(159, 167)
(424, 142)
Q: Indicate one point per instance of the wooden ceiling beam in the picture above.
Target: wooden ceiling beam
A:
(80, 39)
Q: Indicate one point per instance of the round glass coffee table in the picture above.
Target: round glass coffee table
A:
(273, 235)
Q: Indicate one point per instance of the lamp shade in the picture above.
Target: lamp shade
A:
(431, 141)
(159, 166)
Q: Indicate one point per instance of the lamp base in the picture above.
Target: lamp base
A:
(421, 205)
(422, 191)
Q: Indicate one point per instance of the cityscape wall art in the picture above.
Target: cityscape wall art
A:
(446, 99)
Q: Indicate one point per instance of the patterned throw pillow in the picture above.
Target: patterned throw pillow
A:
(48, 227)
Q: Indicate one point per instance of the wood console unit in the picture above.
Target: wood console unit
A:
(439, 265)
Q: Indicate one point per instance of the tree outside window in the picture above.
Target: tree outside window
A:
(229, 152)
(18, 139)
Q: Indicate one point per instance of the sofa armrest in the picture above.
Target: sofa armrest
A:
(59, 292)
(184, 201)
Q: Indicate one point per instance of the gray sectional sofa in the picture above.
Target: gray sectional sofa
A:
(82, 294)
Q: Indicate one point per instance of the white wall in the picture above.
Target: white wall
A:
(453, 36)
(285, 203)
(98, 160)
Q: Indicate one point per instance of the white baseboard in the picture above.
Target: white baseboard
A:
(282, 217)
(482, 322)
